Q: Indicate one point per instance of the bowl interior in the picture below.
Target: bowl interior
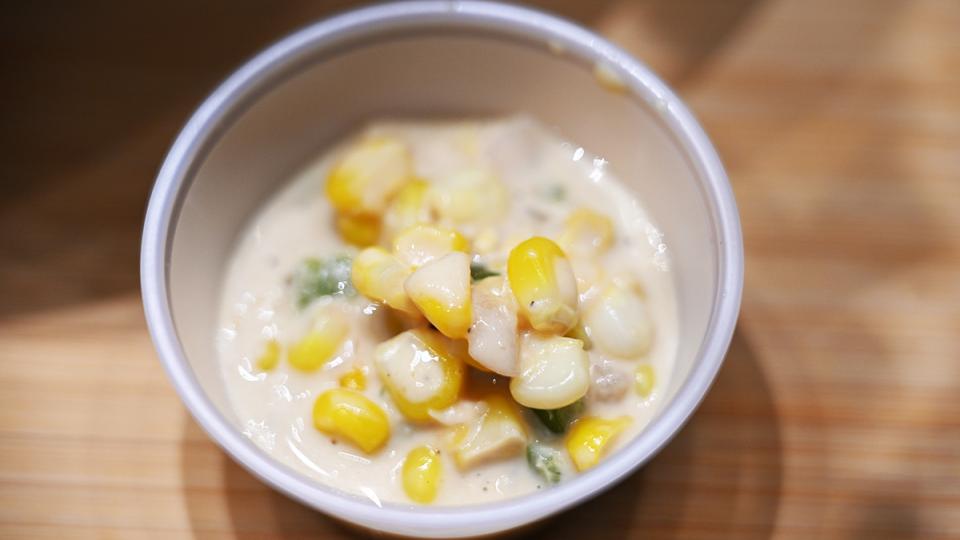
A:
(298, 108)
(429, 76)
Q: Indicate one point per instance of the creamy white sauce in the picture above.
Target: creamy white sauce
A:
(545, 178)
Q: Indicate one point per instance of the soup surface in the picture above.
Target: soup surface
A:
(448, 313)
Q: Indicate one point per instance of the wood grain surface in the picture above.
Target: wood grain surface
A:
(836, 415)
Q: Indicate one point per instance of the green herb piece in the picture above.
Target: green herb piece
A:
(557, 420)
(479, 271)
(314, 278)
(555, 192)
(545, 461)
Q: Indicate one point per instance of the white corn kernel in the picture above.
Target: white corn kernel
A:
(554, 372)
(619, 323)
(492, 339)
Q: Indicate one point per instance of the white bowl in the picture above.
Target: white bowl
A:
(416, 59)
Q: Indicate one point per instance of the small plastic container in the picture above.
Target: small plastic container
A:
(428, 59)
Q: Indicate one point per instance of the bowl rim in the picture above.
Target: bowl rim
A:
(208, 122)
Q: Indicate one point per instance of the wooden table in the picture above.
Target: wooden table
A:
(837, 414)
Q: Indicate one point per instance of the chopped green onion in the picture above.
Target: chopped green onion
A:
(557, 420)
(555, 192)
(314, 278)
(478, 271)
(545, 461)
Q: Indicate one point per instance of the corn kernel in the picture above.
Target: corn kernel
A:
(590, 437)
(351, 415)
(619, 322)
(409, 207)
(270, 357)
(470, 195)
(353, 380)
(542, 280)
(422, 371)
(644, 379)
(441, 290)
(580, 332)
(421, 474)
(554, 372)
(498, 434)
(588, 272)
(368, 175)
(420, 244)
(379, 275)
(318, 346)
(486, 240)
(359, 230)
(586, 233)
(492, 340)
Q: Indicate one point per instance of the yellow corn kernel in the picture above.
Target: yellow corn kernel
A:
(409, 207)
(270, 357)
(359, 229)
(421, 474)
(645, 379)
(420, 244)
(441, 290)
(586, 233)
(353, 380)
(318, 346)
(351, 415)
(590, 437)
(542, 280)
(422, 371)
(499, 433)
(379, 275)
(470, 195)
(368, 175)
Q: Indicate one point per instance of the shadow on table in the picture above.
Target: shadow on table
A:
(99, 92)
(94, 97)
(719, 478)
